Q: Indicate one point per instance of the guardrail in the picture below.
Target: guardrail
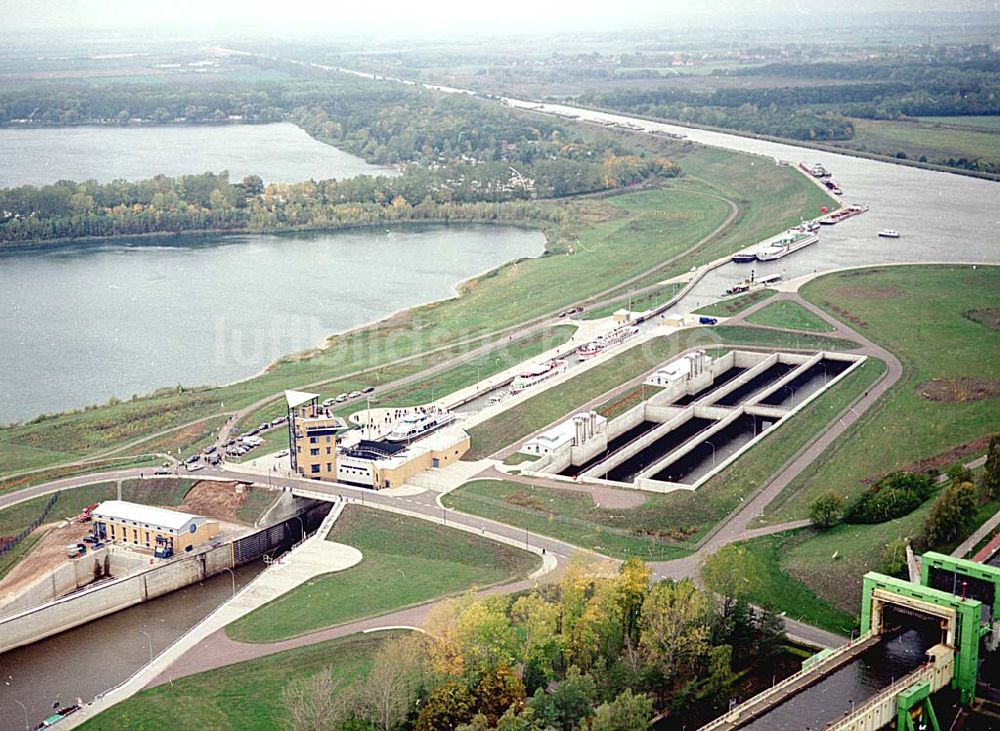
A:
(924, 672)
(733, 715)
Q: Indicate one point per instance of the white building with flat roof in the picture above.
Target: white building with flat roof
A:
(148, 527)
(575, 431)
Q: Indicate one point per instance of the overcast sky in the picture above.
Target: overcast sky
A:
(341, 16)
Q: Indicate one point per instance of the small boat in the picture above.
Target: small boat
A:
(58, 715)
(616, 337)
(888, 233)
(531, 376)
(785, 245)
(416, 425)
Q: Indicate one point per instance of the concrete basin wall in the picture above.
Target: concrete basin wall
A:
(638, 445)
(57, 616)
(721, 422)
(765, 362)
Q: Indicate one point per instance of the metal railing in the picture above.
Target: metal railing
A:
(924, 672)
(19, 538)
(733, 715)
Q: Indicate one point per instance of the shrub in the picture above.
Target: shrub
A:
(827, 511)
(891, 496)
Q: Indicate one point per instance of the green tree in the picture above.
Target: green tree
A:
(568, 704)
(892, 562)
(675, 628)
(627, 712)
(990, 481)
(827, 510)
(950, 515)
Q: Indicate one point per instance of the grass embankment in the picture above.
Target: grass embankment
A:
(735, 305)
(789, 315)
(626, 400)
(116, 463)
(247, 695)
(665, 526)
(570, 516)
(407, 561)
(768, 586)
(917, 139)
(941, 322)
(989, 123)
(636, 304)
(619, 237)
(920, 314)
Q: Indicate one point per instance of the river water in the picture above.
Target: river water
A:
(942, 217)
(278, 153)
(86, 322)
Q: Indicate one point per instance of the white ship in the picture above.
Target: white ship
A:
(888, 233)
(616, 337)
(531, 376)
(417, 425)
(785, 245)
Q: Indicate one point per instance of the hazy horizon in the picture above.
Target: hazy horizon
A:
(446, 17)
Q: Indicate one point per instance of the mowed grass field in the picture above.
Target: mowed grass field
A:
(926, 317)
(247, 695)
(990, 123)
(407, 561)
(916, 139)
(789, 315)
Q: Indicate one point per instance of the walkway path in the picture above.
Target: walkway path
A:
(314, 557)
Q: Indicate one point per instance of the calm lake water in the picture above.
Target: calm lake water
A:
(82, 323)
(279, 153)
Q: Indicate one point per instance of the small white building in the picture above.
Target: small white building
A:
(622, 316)
(682, 369)
(575, 431)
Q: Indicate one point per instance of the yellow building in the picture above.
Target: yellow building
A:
(312, 436)
(385, 464)
(153, 529)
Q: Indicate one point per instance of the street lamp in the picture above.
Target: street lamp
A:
(303, 526)
(27, 725)
(713, 452)
(150, 640)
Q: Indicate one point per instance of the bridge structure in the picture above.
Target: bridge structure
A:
(922, 637)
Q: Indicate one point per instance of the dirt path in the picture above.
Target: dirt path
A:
(44, 556)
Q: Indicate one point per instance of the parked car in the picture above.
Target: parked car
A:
(354, 394)
(328, 402)
(192, 459)
(208, 450)
(195, 467)
(367, 389)
(341, 398)
(706, 320)
(264, 425)
(162, 471)
(282, 453)
(279, 420)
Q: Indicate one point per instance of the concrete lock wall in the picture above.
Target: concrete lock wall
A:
(66, 578)
(39, 622)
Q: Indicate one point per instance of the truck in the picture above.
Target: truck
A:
(706, 320)
(86, 515)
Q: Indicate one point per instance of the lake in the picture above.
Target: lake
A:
(278, 153)
(86, 322)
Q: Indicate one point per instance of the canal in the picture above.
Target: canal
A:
(91, 659)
